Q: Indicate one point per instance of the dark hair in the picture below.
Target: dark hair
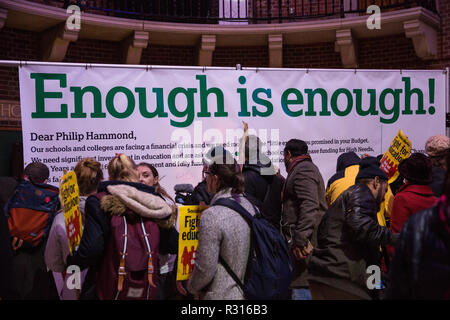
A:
(89, 173)
(157, 186)
(37, 172)
(229, 176)
(296, 147)
(446, 189)
(252, 147)
(417, 169)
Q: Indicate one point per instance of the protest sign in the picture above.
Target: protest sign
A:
(399, 149)
(189, 218)
(69, 195)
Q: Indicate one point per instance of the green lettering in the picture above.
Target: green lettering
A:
(188, 112)
(373, 102)
(334, 99)
(78, 100)
(408, 94)
(204, 93)
(262, 102)
(110, 102)
(159, 111)
(395, 110)
(285, 102)
(41, 95)
(311, 93)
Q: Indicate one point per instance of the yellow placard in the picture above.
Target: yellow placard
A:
(399, 149)
(189, 217)
(69, 195)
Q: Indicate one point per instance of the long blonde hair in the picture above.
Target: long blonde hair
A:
(122, 168)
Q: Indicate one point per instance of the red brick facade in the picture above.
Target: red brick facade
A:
(245, 56)
(395, 52)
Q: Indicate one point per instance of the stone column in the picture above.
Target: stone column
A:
(275, 50)
(206, 48)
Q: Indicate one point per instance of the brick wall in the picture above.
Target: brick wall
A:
(320, 55)
(15, 45)
(395, 52)
(245, 56)
(93, 51)
(169, 55)
(19, 44)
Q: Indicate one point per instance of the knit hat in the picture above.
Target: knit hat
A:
(369, 168)
(417, 168)
(437, 145)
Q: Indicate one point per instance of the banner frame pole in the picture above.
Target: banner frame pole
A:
(20, 63)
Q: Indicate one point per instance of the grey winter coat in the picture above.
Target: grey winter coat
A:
(223, 231)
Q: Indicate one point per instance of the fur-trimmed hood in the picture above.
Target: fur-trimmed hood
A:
(126, 197)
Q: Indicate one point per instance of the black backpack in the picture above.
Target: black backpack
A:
(269, 270)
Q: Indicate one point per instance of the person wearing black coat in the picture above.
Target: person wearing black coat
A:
(6, 253)
(420, 267)
(263, 185)
(349, 239)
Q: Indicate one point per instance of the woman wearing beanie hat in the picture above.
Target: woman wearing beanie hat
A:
(415, 195)
(436, 148)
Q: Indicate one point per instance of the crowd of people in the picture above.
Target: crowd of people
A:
(356, 237)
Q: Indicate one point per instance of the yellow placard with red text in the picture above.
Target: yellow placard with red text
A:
(189, 217)
(69, 195)
(399, 150)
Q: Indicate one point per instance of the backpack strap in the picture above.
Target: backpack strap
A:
(235, 206)
(150, 261)
(231, 272)
(122, 272)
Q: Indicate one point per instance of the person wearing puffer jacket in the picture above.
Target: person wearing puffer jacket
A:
(122, 195)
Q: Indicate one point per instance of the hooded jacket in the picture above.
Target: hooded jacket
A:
(121, 198)
(263, 188)
(420, 267)
(347, 169)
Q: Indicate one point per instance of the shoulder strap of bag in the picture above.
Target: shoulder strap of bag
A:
(150, 268)
(248, 218)
(122, 273)
(235, 206)
(231, 272)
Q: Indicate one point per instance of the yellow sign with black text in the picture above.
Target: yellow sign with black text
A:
(69, 195)
(189, 217)
(399, 150)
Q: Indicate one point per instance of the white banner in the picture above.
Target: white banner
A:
(169, 117)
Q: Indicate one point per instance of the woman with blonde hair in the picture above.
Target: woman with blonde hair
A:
(89, 174)
(121, 233)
